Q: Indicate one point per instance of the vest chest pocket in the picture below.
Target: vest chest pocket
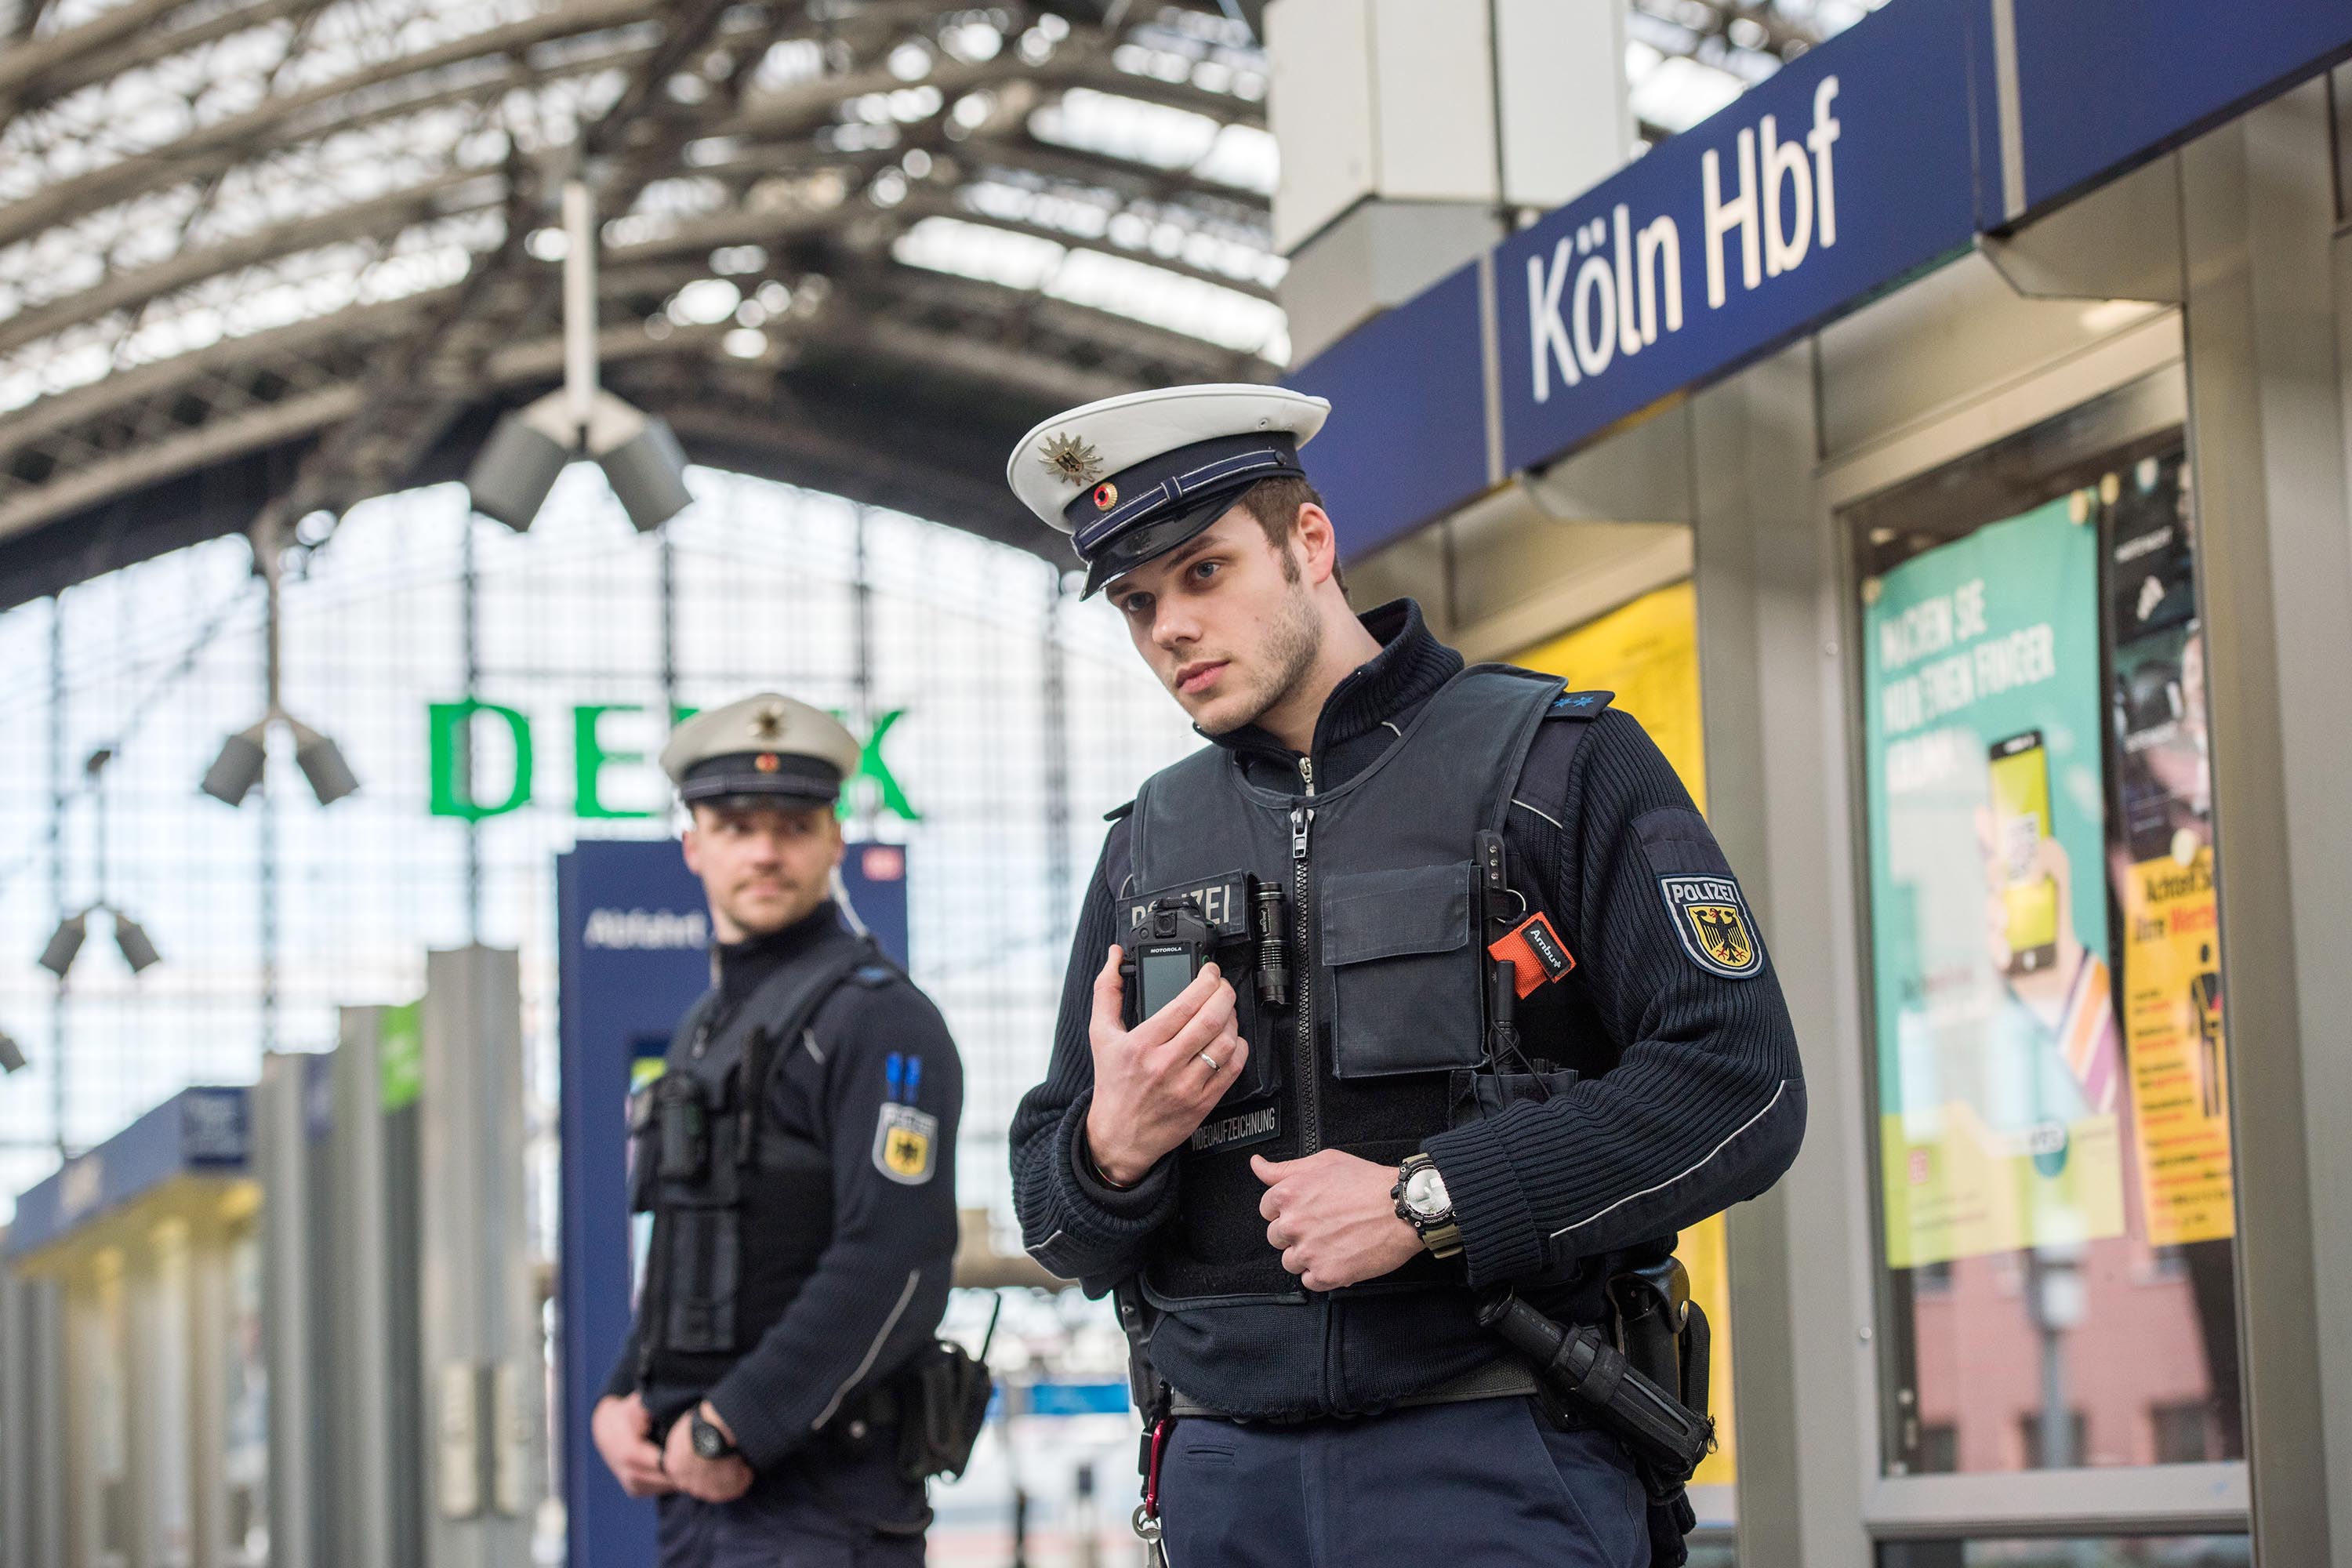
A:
(697, 1239)
(1404, 972)
(702, 1264)
(645, 1148)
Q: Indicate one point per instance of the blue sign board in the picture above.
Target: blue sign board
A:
(1058, 1398)
(1848, 169)
(2103, 85)
(1409, 444)
(206, 1132)
(1856, 166)
(633, 953)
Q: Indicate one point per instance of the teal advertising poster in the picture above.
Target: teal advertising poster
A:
(1999, 1061)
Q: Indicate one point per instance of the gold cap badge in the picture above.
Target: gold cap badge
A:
(1073, 460)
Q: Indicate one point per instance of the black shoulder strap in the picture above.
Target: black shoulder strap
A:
(1119, 856)
(759, 1053)
(695, 1016)
(801, 991)
(1543, 777)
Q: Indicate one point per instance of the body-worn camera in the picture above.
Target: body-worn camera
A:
(1233, 921)
(1167, 950)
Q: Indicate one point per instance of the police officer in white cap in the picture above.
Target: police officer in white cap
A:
(1478, 1006)
(798, 1157)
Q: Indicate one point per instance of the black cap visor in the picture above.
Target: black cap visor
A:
(1147, 542)
(783, 781)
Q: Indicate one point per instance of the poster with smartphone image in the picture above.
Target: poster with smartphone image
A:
(2000, 1056)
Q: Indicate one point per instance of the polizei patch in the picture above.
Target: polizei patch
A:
(906, 1145)
(1712, 920)
(1240, 1128)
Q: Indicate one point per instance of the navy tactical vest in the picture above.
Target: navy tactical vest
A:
(743, 1209)
(1381, 909)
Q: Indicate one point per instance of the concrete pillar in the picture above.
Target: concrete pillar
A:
(293, 1229)
(32, 1422)
(2266, 437)
(206, 1320)
(1413, 132)
(479, 1327)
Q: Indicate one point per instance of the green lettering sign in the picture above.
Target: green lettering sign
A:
(870, 765)
(449, 727)
(589, 757)
(450, 751)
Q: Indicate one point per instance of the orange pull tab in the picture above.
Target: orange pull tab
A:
(1536, 950)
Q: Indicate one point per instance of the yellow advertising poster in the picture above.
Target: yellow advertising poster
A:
(2179, 1062)
(1647, 653)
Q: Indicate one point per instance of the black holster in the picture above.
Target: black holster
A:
(942, 1400)
(929, 1415)
(1665, 1338)
(1646, 1384)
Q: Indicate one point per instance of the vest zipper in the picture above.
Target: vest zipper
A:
(1310, 1098)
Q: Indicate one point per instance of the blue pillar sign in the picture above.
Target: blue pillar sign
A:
(634, 951)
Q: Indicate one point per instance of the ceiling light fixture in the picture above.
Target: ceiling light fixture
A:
(244, 756)
(527, 448)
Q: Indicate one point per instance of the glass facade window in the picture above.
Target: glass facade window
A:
(2055, 1204)
(502, 696)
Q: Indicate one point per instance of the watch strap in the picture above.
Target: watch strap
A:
(1441, 1234)
(715, 1445)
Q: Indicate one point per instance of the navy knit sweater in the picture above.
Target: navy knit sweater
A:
(1693, 1097)
(881, 1285)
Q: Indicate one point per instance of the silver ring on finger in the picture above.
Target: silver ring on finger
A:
(1214, 1066)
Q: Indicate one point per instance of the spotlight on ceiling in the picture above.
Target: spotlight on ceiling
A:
(243, 756)
(519, 464)
(238, 767)
(64, 943)
(131, 938)
(321, 762)
(642, 461)
(138, 952)
(527, 448)
(12, 1055)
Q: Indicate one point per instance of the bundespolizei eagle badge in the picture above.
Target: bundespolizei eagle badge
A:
(906, 1144)
(1711, 918)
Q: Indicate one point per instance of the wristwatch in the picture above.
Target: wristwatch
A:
(1423, 1203)
(709, 1442)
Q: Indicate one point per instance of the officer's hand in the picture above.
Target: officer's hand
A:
(1154, 1083)
(710, 1480)
(620, 1425)
(1333, 1219)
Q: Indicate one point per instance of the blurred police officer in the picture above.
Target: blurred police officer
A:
(798, 1157)
(1301, 1191)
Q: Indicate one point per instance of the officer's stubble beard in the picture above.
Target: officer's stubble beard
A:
(731, 889)
(1288, 649)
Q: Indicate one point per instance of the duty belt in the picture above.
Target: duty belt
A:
(1505, 1379)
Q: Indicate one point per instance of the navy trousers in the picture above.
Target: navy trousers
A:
(1487, 1483)
(808, 1512)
